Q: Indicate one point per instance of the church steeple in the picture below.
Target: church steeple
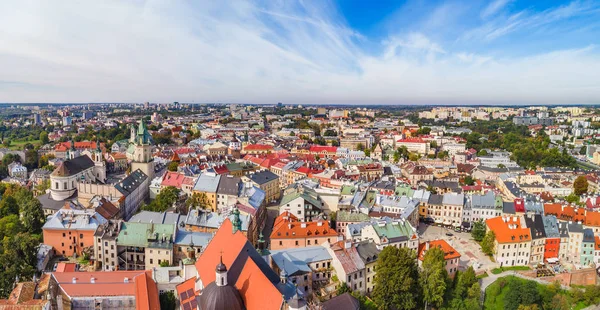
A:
(237, 223)
(221, 270)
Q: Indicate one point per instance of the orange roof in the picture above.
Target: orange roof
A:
(146, 292)
(592, 218)
(256, 289)
(258, 147)
(288, 226)
(65, 267)
(64, 146)
(106, 283)
(411, 140)
(186, 291)
(508, 230)
(118, 155)
(173, 178)
(323, 148)
(229, 244)
(449, 251)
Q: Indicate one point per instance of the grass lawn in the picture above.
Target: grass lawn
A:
(483, 275)
(494, 302)
(515, 268)
(18, 145)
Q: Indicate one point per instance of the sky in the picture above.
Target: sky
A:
(301, 52)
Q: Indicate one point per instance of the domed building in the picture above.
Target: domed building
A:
(219, 295)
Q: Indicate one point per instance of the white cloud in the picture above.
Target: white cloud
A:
(494, 7)
(240, 52)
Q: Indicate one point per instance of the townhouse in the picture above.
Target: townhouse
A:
(290, 232)
(512, 246)
(451, 256)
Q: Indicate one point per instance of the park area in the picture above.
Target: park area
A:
(514, 293)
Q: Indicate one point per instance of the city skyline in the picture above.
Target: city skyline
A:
(348, 52)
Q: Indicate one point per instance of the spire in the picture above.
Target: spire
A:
(98, 146)
(237, 223)
(221, 270)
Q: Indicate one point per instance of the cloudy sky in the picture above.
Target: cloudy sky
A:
(308, 51)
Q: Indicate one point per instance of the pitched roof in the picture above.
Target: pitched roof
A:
(287, 226)
(263, 177)
(105, 283)
(73, 166)
(172, 178)
(449, 251)
(508, 229)
(348, 257)
(344, 301)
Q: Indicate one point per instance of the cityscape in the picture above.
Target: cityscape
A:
(300, 155)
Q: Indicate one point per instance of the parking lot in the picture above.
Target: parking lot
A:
(462, 242)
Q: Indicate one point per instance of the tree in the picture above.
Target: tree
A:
(44, 138)
(482, 153)
(559, 302)
(487, 244)
(442, 154)
(572, 198)
(413, 156)
(468, 180)
(478, 231)
(360, 147)
(434, 277)
(396, 281)
(197, 200)
(367, 152)
(164, 263)
(433, 144)
(580, 186)
(344, 288)
(173, 166)
(8, 206)
(167, 301)
(6, 142)
(164, 200)
(32, 215)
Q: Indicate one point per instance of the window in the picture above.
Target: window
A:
(80, 236)
(64, 235)
(280, 242)
(151, 261)
(296, 242)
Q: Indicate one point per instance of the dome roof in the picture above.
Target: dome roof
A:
(214, 297)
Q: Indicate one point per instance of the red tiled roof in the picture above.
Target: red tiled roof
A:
(146, 292)
(66, 267)
(322, 148)
(186, 291)
(287, 226)
(449, 251)
(411, 140)
(258, 147)
(508, 230)
(173, 178)
(64, 146)
(106, 283)
(256, 290)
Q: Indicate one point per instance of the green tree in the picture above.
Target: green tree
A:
(434, 277)
(360, 147)
(32, 215)
(173, 166)
(478, 231)
(197, 200)
(468, 180)
(344, 288)
(164, 200)
(572, 198)
(167, 301)
(8, 206)
(396, 281)
(44, 138)
(580, 186)
(487, 244)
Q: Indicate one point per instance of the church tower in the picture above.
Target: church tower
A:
(142, 154)
(235, 147)
(99, 164)
(72, 152)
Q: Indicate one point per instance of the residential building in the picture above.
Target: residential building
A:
(70, 231)
(207, 184)
(538, 238)
(348, 264)
(512, 245)
(268, 182)
(289, 232)
(308, 268)
(451, 256)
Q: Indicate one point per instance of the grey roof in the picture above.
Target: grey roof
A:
(367, 251)
(508, 207)
(436, 200)
(131, 182)
(295, 261)
(220, 297)
(563, 229)
(51, 204)
(229, 185)
(86, 219)
(588, 235)
(184, 237)
(156, 217)
(575, 228)
(453, 199)
(207, 182)
(487, 201)
(213, 219)
(77, 164)
(263, 177)
(344, 301)
(536, 225)
(551, 226)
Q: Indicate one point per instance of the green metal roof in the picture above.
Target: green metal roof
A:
(137, 234)
(391, 230)
(345, 216)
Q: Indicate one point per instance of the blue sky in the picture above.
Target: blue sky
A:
(318, 51)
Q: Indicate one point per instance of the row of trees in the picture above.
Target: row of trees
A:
(21, 221)
(400, 284)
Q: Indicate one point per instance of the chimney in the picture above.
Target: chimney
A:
(126, 280)
(93, 280)
(319, 223)
(347, 244)
(74, 280)
(426, 245)
(303, 225)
